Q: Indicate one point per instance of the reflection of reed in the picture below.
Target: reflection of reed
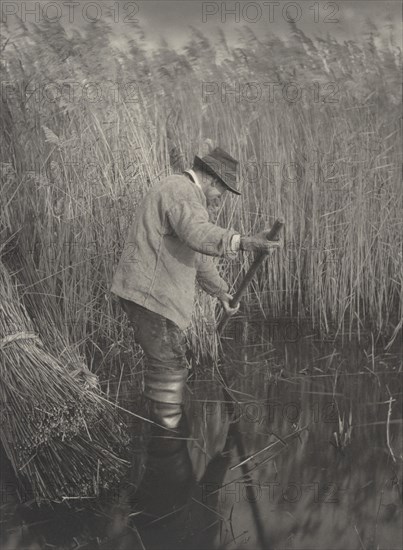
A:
(312, 492)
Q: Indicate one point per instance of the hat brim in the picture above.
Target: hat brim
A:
(211, 170)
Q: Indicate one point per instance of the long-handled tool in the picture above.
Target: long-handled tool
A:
(260, 258)
(274, 231)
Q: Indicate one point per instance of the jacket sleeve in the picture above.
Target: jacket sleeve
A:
(189, 220)
(208, 277)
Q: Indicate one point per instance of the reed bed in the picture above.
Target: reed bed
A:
(75, 167)
(58, 431)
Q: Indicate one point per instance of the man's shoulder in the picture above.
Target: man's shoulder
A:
(176, 179)
(178, 186)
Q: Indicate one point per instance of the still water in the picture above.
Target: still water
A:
(304, 452)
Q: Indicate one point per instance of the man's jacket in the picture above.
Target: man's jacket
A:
(168, 247)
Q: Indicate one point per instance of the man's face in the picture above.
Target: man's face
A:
(215, 193)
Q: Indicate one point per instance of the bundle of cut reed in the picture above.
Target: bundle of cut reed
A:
(59, 433)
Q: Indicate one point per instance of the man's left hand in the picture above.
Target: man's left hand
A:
(225, 299)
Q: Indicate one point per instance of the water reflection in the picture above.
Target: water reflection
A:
(164, 494)
(316, 469)
(321, 465)
(315, 423)
(169, 504)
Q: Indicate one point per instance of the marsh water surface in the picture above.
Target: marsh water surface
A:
(305, 451)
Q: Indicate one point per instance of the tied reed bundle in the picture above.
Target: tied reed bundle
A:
(58, 431)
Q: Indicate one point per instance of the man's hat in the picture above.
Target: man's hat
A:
(222, 165)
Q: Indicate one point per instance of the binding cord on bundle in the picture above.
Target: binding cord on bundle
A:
(57, 430)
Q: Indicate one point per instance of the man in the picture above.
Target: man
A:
(169, 246)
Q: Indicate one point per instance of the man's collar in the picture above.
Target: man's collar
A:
(193, 176)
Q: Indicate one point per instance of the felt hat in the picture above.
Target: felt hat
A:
(222, 165)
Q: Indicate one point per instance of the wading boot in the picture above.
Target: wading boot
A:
(165, 390)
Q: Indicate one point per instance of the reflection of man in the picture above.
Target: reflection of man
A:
(168, 248)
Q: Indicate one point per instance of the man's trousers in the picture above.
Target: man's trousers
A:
(164, 346)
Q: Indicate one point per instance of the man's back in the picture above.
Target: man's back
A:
(157, 269)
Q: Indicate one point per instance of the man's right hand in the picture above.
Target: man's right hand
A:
(259, 243)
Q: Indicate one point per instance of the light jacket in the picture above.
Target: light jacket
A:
(169, 245)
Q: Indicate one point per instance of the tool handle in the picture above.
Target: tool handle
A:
(274, 231)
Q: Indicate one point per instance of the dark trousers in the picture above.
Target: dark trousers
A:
(164, 346)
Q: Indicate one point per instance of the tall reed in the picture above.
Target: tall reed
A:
(331, 169)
